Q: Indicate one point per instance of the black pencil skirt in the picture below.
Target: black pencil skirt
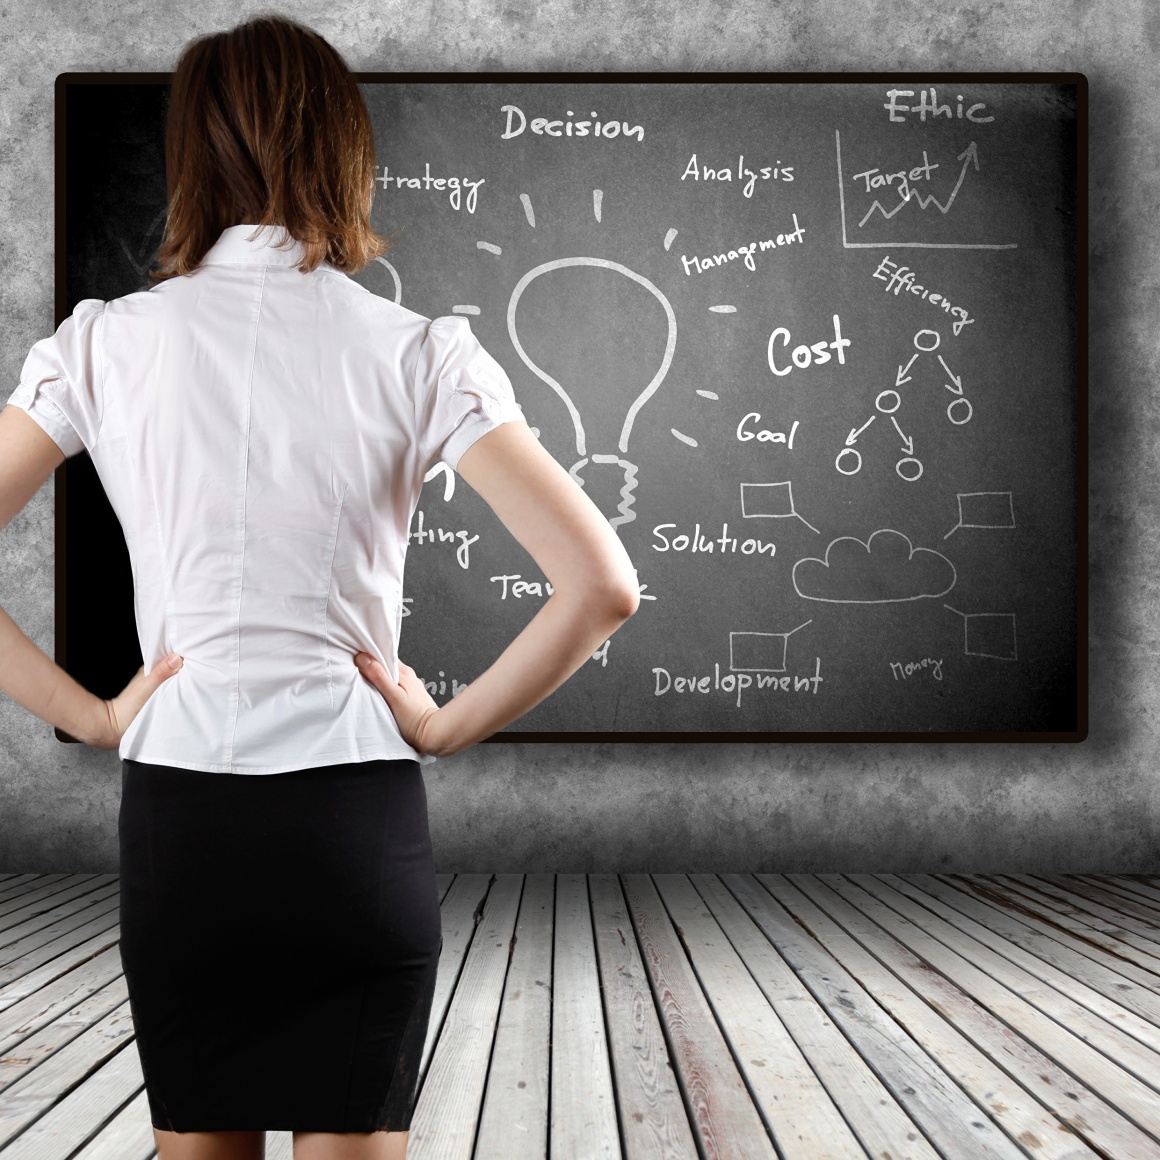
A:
(280, 935)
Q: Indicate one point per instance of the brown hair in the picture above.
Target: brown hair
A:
(266, 125)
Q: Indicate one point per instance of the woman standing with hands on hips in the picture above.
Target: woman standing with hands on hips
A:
(262, 426)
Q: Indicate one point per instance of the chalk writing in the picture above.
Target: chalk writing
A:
(806, 355)
(695, 265)
(548, 127)
(454, 185)
(734, 683)
(421, 534)
(697, 542)
(775, 172)
(930, 104)
(903, 671)
(764, 435)
(899, 278)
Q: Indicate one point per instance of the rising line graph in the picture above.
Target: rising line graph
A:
(968, 157)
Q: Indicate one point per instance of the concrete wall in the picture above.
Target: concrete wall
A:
(673, 807)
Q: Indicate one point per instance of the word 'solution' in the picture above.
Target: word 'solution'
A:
(697, 542)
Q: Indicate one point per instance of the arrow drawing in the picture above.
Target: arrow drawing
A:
(907, 441)
(954, 378)
(898, 378)
(854, 434)
(970, 154)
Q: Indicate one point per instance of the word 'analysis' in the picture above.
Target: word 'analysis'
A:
(736, 683)
(899, 278)
(776, 172)
(556, 127)
(453, 185)
(930, 104)
(696, 265)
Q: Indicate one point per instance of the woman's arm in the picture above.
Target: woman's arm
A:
(595, 591)
(28, 457)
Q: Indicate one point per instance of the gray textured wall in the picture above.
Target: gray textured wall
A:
(728, 807)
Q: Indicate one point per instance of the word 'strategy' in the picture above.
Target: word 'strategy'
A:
(735, 683)
(695, 265)
(454, 185)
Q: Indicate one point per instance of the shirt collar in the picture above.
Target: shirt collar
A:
(235, 246)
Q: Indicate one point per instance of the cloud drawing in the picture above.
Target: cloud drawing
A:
(884, 569)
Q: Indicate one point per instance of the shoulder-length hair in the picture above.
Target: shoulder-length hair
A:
(267, 126)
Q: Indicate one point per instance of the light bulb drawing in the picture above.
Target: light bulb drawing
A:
(605, 457)
(398, 282)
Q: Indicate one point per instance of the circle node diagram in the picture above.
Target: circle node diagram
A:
(853, 463)
(909, 468)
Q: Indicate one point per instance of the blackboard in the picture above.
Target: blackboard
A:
(814, 345)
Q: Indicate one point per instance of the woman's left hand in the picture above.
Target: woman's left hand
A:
(114, 717)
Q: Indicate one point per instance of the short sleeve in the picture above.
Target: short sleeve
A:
(60, 383)
(461, 392)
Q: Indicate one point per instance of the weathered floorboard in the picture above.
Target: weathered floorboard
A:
(680, 1017)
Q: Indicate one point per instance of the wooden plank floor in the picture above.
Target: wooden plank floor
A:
(693, 1017)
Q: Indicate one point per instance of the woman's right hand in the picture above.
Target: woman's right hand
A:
(413, 707)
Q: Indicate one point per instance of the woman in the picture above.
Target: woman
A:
(262, 426)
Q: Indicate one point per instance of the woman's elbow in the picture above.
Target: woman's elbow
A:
(620, 598)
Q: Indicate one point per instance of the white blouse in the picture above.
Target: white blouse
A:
(263, 435)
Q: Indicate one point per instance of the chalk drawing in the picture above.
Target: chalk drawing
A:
(884, 569)
(771, 501)
(988, 634)
(448, 479)
(398, 298)
(984, 509)
(760, 652)
(967, 157)
(625, 507)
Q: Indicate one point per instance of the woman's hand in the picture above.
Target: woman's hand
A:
(113, 718)
(408, 699)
